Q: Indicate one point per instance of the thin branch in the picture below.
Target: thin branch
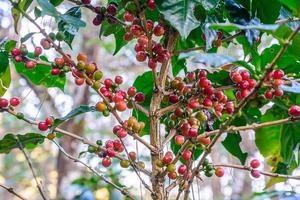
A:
(122, 190)
(247, 168)
(38, 184)
(228, 39)
(287, 20)
(171, 134)
(82, 139)
(11, 190)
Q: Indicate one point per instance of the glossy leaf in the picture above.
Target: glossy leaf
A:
(48, 8)
(144, 83)
(40, 75)
(3, 62)
(180, 14)
(77, 111)
(5, 79)
(56, 2)
(23, 5)
(9, 45)
(232, 144)
(28, 141)
(294, 5)
(27, 36)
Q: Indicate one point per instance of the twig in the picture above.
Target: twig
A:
(247, 168)
(290, 19)
(168, 138)
(122, 190)
(38, 184)
(11, 190)
(82, 139)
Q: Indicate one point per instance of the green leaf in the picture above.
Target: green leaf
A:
(56, 2)
(68, 29)
(41, 75)
(213, 60)
(23, 5)
(120, 42)
(5, 80)
(75, 21)
(180, 14)
(144, 83)
(233, 27)
(37, 12)
(232, 144)
(48, 8)
(77, 111)
(294, 5)
(29, 141)
(3, 62)
(178, 65)
(9, 45)
(267, 10)
(27, 36)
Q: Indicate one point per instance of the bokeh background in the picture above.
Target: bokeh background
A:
(62, 178)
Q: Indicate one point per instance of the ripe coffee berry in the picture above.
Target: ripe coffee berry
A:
(38, 51)
(49, 121)
(131, 91)
(139, 97)
(132, 155)
(294, 111)
(98, 19)
(14, 101)
(15, 52)
(30, 64)
(205, 140)
(129, 17)
(18, 59)
(269, 94)
(151, 4)
(179, 139)
(219, 171)
(86, 1)
(152, 63)
(255, 173)
(182, 169)
(112, 8)
(121, 106)
(3, 103)
(158, 30)
(106, 162)
(43, 126)
(118, 80)
(254, 163)
(278, 74)
(141, 56)
(172, 175)
(186, 155)
(55, 71)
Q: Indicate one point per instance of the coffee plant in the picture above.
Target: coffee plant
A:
(192, 97)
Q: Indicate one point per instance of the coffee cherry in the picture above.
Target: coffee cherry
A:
(182, 169)
(3, 103)
(186, 155)
(158, 30)
(131, 91)
(294, 111)
(236, 78)
(43, 126)
(172, 175)
(255, 173)
(219, 172)
(132, 155)
(30, 64)
(151, 4)
(204, 82)
(14, 101)
(205, 140)
(106, 162)
(254, 163)
(202, 73)
(207, 102)
(37, 51)
(119, 80)
(55, 71)
(278, 92)
(252, 83)
(173, 98)
(269, 94)
(112, 8)
(141, 56)
(149, 25)
(18, 59)
(45, 44)
(108, 82)
(15, 52)
(122, 133)
(49, 121)
(79, 81)
(167, 159)
(139, 97)
(171, 168)
(86, 1)
(143, 40)
(110, 152)
(179, 139)
(152, 63)
(121, 106)
(128, 37)
(129, 17)
(100, 106)
(136, 30)
(124, 163)
(278, 74)
(157, 48)
(277, 82)
(98, 19)
(193, 132)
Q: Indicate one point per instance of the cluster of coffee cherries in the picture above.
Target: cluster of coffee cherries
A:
(46, 124)
(274, 79)
(243, 82)
(21, 55)
(209, 170)
(132, 124)
(5, 103)
(103, 12)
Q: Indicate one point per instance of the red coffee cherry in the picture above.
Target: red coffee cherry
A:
(79, 81)
(131, 91)
(186, 155)
(129, 17)
(158, 30)
(173, 98)
(205, 140)
(167, 159)
(38, 51)
(108, 82)
(139, 97)
(172, 175)
(119, 80)
(128, 37)
(55, 71)
(43, 126)
(152, 63)
(179, 139)
(254, 163)
(106, 162)
(255, 173)
(45, 44)
(219, 172)
(15, 52)
(294, 111)
(132, 155)
(86, 1)
(141, 56)
(30, 64)
(112, 8)
(14, 101)
(49, 121)
(151, 4)
(278, 74)
(278, 92)
(18, 59)
(3, 103)
(269, 94)
(182, 169)
(121, 106)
